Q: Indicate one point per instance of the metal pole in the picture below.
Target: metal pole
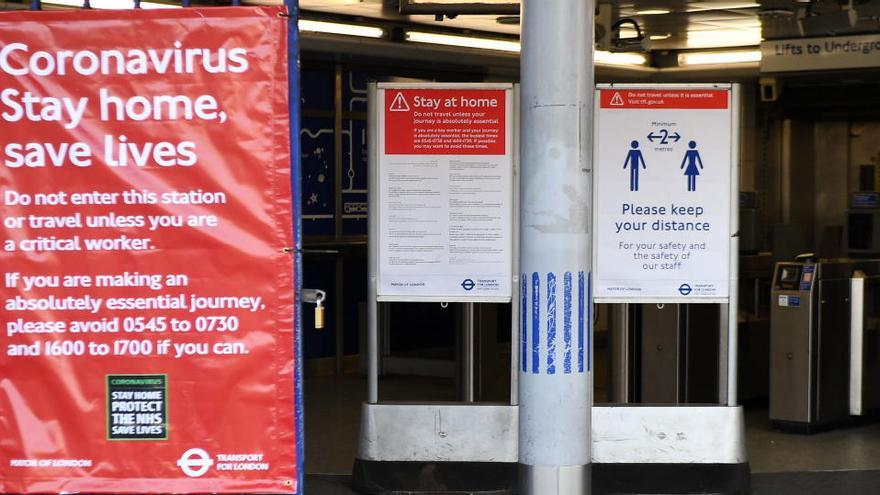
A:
(733, 294)
(296, 190)
(555, 386)
(516, 316)
(724, 354)
(337, 221)
(339, 314)
(620, 343)
(856, 342)
(372, 252)
(468, 351)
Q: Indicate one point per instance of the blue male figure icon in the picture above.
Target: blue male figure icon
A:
(692, 160)
(633, 160)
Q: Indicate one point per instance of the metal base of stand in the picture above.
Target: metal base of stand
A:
(456, 448)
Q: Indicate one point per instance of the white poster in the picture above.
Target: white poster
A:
(445, 205)
(662, 187)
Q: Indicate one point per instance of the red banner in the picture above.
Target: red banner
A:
(445, 121)
(147, 318)
(686, 99)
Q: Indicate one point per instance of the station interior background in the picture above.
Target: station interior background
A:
(809, 141)
(805, 141)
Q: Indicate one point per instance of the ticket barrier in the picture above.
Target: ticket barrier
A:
(671, 355)
(824, 343)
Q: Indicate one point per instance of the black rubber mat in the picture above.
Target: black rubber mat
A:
(811, 483)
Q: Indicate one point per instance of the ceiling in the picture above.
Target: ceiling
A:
(671, 25)
(677, 25)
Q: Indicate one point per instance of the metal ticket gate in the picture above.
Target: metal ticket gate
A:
(470, 343)
(664, 354)
(824, 339)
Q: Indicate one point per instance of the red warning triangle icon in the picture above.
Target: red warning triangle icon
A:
(399, 104)
(617, 100)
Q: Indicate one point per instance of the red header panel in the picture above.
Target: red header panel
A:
(445, 122)
(147, 314)
(693, 99)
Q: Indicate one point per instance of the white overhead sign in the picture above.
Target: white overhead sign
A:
(805, 54)
(663, 163)
(445, 192)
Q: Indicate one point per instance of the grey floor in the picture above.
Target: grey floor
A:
(328, 484)
(854, 448)
(332, 415)
(843, 461)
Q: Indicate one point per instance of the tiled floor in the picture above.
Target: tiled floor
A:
(839, 461)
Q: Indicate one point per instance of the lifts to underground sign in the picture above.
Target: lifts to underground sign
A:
(147, 296)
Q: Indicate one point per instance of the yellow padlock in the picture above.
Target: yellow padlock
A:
(319, 316)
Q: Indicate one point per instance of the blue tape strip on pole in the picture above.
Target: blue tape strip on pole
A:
(551, 323)
(236, 3)
(185, 3)
(536, 322)
(580, 328)
(137, 4)
(87, 4)
(36, 5)
(524, 322)
(566, 323)
(296, 188)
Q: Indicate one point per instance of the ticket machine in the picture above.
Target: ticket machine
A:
(821, 331)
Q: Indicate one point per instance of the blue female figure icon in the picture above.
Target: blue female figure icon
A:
(633, 159)
(692, 160)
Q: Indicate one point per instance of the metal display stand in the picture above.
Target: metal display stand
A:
(697, 447)
(418, 447)
(375, 204)
(475, 443)
(728, 318)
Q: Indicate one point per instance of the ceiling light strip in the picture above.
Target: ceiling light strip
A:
(657, 11)
(601, 57)
(340, 28)
(724, 57)
(463, 41)
(110, 4)
(608, 58)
